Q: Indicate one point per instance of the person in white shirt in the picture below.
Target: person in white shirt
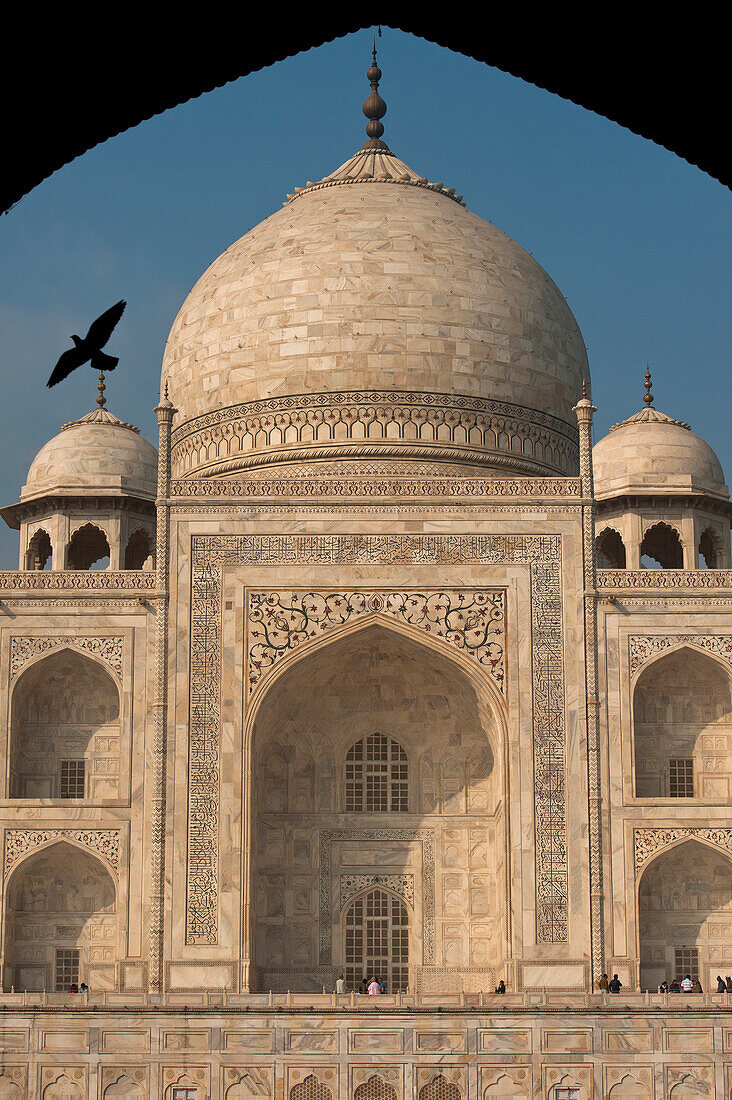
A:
(687, 985)
(340, 984)
(374, 988)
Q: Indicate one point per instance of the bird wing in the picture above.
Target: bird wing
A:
(104, 326)
(69, 361)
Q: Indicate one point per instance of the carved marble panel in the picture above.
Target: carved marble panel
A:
(427, 838)
(541, 554)
(22, 649)
(471, 620)
(647, 842)
(642, 647)
(105, 842)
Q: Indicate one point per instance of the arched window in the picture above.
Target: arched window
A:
(377, 776)
(61, 919)
(65, 730)
(310, 1089)
(375, 1088)
(710, 549)
(661, 548)
(680, 703)
(610, 550)
(684, 909)
(88, 548)
(377, 940)
(138, 552)
(38, 554)
(439, 1088)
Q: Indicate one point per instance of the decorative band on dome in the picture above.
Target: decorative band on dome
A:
(414, 427)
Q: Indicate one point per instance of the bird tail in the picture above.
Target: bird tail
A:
(100, 361)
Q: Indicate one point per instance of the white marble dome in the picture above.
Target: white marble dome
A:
(97, 454)
(374, 315)
(653, 453)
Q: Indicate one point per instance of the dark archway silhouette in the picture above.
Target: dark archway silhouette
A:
(81, 97)
(610, 550)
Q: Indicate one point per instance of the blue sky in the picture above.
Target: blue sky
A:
(637, 240)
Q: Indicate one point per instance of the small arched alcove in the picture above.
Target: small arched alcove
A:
(65, 730)
(139, 552)
(684, 909)
(343, 802)
(661, 548)
(710, 549)
(610, 550)
(88, 548)
(39, 553)
(60, 920)
(682, 722)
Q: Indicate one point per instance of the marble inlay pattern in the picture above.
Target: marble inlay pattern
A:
(472, 621)
(210, 554)
(643, 647)
(427, 839)
(23, 649)
(679, 579)
(77, 580)
(18, 842)
(403, 885)
(647, 842)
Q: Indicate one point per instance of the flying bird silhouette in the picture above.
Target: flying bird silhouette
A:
(90, 348)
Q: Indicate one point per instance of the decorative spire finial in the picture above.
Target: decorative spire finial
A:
(101, 400)
(648, 396)
(374, 107)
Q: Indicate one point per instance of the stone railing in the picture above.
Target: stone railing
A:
(527, 1001)
(654, 580)
(68, 580)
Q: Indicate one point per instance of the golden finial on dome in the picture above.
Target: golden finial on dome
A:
(101, 400)
(374, 108)
(648, 396)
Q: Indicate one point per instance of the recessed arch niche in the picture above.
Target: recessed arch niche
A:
(65, 730)
(62, 898)
(376, 679)
(685, 913)
(682, 727)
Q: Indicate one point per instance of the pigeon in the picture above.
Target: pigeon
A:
(90, 349)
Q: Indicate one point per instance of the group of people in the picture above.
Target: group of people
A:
(74, 988)
(687, 984)
(369, 986)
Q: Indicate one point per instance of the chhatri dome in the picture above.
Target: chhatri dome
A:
(651, 452)
(97, 453)
(374, 316)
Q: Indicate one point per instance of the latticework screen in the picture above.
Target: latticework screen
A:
(375, 1088)
(377, 941)
(310, 1089)
(377, 776)
(440, 1089)
(687, 962)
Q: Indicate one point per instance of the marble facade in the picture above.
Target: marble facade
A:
(368, 702)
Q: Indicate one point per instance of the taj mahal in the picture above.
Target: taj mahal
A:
(373, 666)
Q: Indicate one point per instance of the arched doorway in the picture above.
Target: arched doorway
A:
(376, 774)
(682, 720)
(684, 909)
(65, 730)
(376, 934)
(60, 920)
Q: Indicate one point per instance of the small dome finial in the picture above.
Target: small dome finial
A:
(101, 400)
(648, 396)
(374, 107)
